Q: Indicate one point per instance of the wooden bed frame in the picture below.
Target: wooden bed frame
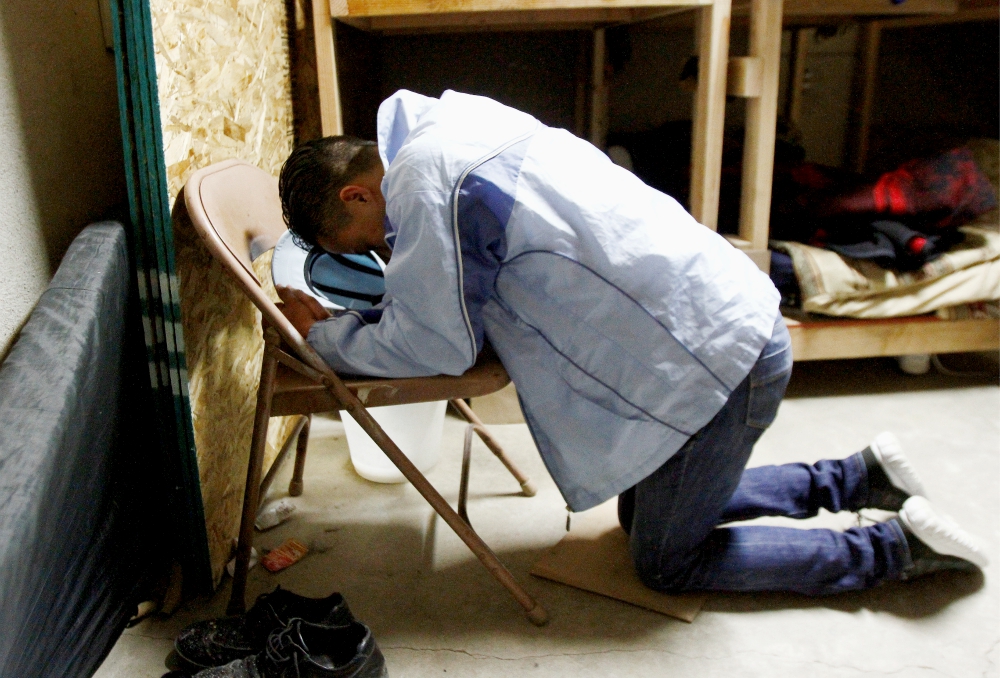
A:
(827, 338)
(423, 16)
(823, 338)
(753, 77)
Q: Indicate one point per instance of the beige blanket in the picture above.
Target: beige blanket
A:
(838, 286)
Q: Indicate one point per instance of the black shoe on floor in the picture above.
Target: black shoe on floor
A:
(220, 641)
(304, 650)
(626, 509)
(927, 561)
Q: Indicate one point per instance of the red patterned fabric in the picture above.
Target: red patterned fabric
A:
(944, 191)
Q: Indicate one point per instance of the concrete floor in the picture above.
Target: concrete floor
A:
(435, 611)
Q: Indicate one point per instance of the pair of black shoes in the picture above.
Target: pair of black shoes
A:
(281, 636)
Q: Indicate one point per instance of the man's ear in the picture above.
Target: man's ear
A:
(353, 192)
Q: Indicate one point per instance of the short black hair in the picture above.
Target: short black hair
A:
(311, 179)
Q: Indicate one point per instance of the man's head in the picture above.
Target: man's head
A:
(331, 196)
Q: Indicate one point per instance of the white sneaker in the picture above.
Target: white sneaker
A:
(896, 465)
(940, 533)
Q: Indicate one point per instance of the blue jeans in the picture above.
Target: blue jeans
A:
(675, 540)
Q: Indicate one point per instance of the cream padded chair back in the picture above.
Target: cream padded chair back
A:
(236, 210)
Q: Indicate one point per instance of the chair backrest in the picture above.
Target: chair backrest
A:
(236, 210)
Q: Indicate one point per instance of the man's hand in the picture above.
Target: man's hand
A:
(301, 309)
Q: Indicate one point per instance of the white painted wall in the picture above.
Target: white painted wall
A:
(826, 96)
(25, 270)
(60, 144)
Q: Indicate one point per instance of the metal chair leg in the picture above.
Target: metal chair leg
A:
(251, 495)
(527, 487)
(291, 440)
(295, 485)
(463, 487)
(535, 612)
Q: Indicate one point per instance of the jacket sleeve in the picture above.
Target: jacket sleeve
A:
(423, 328)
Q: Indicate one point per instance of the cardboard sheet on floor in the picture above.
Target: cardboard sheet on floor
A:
(594, 557)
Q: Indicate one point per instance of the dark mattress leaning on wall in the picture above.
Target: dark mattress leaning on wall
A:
(71, 526)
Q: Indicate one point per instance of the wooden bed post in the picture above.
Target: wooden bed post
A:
(801, 39)
(599, 91)
(709, 111)
(581, 81)
(332, 122)
(866, 76)
(761, 121)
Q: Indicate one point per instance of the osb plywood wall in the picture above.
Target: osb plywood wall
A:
(225, 92)
(224, 351)
(224, 89)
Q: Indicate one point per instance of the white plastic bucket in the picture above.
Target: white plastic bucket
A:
(415, 428)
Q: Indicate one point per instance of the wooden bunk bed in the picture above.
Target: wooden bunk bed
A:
(441, 16)
(753, 77)
(827, 338)
(832, 338)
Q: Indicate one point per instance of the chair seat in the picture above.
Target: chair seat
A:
(298, 394)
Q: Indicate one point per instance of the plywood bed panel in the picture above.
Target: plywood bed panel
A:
(832, 339)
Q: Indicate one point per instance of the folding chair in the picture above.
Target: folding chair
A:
(235, 208)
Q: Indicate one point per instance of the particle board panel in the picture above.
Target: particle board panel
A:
(224, 91)
(834, 339)
(225, 348)
(224, 84)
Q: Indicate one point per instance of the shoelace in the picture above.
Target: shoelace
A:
(265, 615)
(285, 646)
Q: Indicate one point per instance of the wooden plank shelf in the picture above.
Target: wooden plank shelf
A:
(857, 8)
(359, 8)
(433, 16)
(506, 20)
(829, 339)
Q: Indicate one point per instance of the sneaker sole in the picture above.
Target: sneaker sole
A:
(896, 465)
(942, 535)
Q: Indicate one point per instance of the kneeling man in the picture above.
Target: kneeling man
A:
(649, 355)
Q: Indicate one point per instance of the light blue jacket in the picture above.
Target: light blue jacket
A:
(623, 323)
